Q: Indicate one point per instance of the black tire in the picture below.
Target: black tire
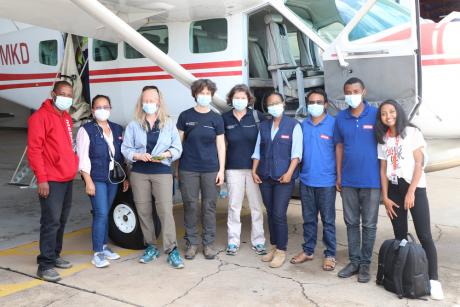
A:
(126, 232)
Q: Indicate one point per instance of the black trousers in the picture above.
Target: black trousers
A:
(55, 210)
(421, 215)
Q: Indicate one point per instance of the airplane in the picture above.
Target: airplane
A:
(290, 46)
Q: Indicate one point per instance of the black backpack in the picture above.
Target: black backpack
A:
(403, 268)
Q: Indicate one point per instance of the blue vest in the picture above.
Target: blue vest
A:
(275, 155)
(99, 150)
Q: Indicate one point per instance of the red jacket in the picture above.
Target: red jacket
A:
(50, 145)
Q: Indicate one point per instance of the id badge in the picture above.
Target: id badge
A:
(394, 179)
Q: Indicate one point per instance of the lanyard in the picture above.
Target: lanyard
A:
(394, 153)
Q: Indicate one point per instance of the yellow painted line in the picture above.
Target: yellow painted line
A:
(7, 289)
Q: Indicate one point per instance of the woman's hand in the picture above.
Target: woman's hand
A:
(256, 178)
(220, 178)
(125, 185)
(90, 188)
(286, 178)
(389, 204)
(409, 200)
(146, 157)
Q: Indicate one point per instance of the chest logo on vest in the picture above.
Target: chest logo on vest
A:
(230, 126)
(368, 127)
(285, 136)
(191, 123)
(325, 137)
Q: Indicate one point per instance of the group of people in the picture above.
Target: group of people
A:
(257, 157)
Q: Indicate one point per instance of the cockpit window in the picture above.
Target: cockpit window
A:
(48, 52)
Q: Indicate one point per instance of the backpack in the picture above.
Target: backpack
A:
(403, 268)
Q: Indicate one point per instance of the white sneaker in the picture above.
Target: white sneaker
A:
(109, 254)
(99, 260)
(436, 290)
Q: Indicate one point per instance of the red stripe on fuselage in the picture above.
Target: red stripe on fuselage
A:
(13, 77)
(24, 85)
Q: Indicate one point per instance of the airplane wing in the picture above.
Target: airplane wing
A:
(65, 16)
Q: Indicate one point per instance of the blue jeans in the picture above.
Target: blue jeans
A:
(320, 200)
(276, 198)
(101, 203)
(360, 204)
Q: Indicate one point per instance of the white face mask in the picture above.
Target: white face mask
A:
(353, 100)
(63, 103)
(276, 110)
(149, 108)
(239, 104)
(204, 100)
(102, 115)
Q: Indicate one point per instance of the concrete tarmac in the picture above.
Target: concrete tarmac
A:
(241, 280)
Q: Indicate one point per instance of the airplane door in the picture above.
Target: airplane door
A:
(379, 45)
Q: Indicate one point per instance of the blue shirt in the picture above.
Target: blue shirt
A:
(151, 167)
(241, 138)
(200, 149)
(318, 167)
(296, 150)
(360, 165)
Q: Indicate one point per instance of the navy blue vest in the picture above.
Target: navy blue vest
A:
(99, 150)
(275, 156)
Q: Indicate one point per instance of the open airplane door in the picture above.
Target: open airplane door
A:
(380, 44)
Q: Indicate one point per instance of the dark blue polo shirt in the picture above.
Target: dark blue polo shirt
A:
(199, 146)
(151, 167)
(360, 166)
(241, 138)
(318, 162)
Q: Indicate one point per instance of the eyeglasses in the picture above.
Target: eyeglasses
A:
(103, 108)
(315, 102)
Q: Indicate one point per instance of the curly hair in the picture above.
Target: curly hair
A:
(241, 88)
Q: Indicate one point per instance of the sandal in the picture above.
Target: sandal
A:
(301, 258)
(329, 264)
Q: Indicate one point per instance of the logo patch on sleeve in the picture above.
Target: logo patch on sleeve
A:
(369, 127)
(325, 137)
(285, 136)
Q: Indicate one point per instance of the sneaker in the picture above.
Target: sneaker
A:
(62, 263)
(209, 252)
(363, 273)
(175, 260)
(349, 270)
(269, 256)
(190, 252)
(260, 249)
(278, 259)
(150, 253)
(232, 249)
(109, 254)
(99, 260)
(48, 275)
(436, 290)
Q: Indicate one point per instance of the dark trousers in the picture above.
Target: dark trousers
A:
(191, 184)
(318, 200)
(55, 210)
(421, 215)
(276, 196)
(360, 209)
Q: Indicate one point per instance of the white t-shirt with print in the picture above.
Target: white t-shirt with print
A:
(405, 162)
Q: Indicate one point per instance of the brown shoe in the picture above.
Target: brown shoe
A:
(301, 258)
(269, 256)
(278, 259)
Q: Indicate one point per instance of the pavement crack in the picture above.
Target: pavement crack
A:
(71, 287)
(439, 229)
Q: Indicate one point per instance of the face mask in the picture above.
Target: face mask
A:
(149, 108)
(102, 114)
(315, 110)
(276, 110)
(63, 103)
(239, 104)
(203, 100)
(353, 100)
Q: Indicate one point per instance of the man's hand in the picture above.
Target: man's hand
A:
(256, 178)
(338, 184)
(43, 189)
(220, 178)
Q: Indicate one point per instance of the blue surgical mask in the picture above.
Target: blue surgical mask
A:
(239, 104)
(315, 109)
(150, 108)
(204, 100)
(353, 100)
(276, 110)
(63, 103)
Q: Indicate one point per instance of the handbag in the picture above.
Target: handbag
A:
(117, 174)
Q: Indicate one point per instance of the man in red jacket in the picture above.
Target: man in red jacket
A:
(54, 162)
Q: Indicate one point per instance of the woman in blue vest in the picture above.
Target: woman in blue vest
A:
(99, 147)
(151, 144)
(276, 156)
